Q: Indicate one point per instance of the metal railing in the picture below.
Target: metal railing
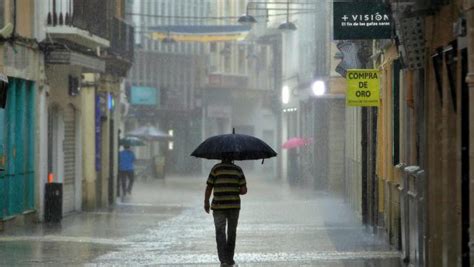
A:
(122, 39)
(88, 15)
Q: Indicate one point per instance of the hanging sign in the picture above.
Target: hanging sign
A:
(363, 88)
(143, 95)
(354, 21)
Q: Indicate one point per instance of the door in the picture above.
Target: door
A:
(3, 208)
(465, 161)
(69, 147)
(17, 149)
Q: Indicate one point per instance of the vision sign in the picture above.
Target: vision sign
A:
(363, 88)
(361, 21)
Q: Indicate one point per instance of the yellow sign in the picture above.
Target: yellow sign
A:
(363, 88)
(203, 38)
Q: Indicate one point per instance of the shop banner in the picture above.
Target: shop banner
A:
(143, 95)
(354, 21)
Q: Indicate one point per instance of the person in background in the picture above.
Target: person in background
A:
(126, 169)
(227, 180)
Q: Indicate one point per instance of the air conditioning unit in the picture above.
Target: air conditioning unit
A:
(412, 42)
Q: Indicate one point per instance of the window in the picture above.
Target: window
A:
(230, 7)
(263, 55)
(242, 61)
(227, 63)
(213, 47)
(242, 6)
(450, 57)
(437, 60)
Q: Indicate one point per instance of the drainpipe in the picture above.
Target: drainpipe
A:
(89, 194)
(469, 9)
(14, 18)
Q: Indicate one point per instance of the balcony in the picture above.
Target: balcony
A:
(227, 81)
(119, 56)
(83, 22)
(121, 40)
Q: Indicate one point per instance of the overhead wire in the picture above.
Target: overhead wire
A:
(215, 17)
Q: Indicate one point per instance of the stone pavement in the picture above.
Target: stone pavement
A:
(163, 224)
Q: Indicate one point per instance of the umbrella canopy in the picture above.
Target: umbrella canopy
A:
(295, 142)
(235, 147)
(131, 141)
(149, 133)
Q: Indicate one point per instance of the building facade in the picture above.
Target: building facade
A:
(20, 61)
(239, 90)
(418, 194)
(64, 77)
(174, 71)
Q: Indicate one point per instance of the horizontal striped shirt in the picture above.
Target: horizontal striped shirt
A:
(226, 180)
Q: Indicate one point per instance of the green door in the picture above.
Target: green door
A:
(10, 149)
(17, 145)
(3, 208)
(30, 147)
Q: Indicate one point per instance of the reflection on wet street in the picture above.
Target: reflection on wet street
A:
(163, 223)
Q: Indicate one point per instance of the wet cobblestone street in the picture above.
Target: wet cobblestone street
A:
(163, 224)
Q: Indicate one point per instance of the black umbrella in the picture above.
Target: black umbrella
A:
(235, 147)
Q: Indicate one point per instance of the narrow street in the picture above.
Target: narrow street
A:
(163, 223)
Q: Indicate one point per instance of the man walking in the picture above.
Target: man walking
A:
(227, 180)
(126, 169)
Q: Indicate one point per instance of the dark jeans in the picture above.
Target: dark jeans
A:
(124, 176)
(226, 244)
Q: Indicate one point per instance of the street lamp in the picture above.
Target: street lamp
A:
(287, 25)
(318, 87)
(247, 19)
(168, 39)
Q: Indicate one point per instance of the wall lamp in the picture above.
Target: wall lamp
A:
(318, 87)
(285, 94)
(168, 40)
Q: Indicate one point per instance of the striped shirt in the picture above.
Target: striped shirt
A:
(226, 180)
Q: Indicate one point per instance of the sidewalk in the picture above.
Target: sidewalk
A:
(163, 223)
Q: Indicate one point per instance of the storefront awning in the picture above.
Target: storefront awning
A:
(200, 33)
